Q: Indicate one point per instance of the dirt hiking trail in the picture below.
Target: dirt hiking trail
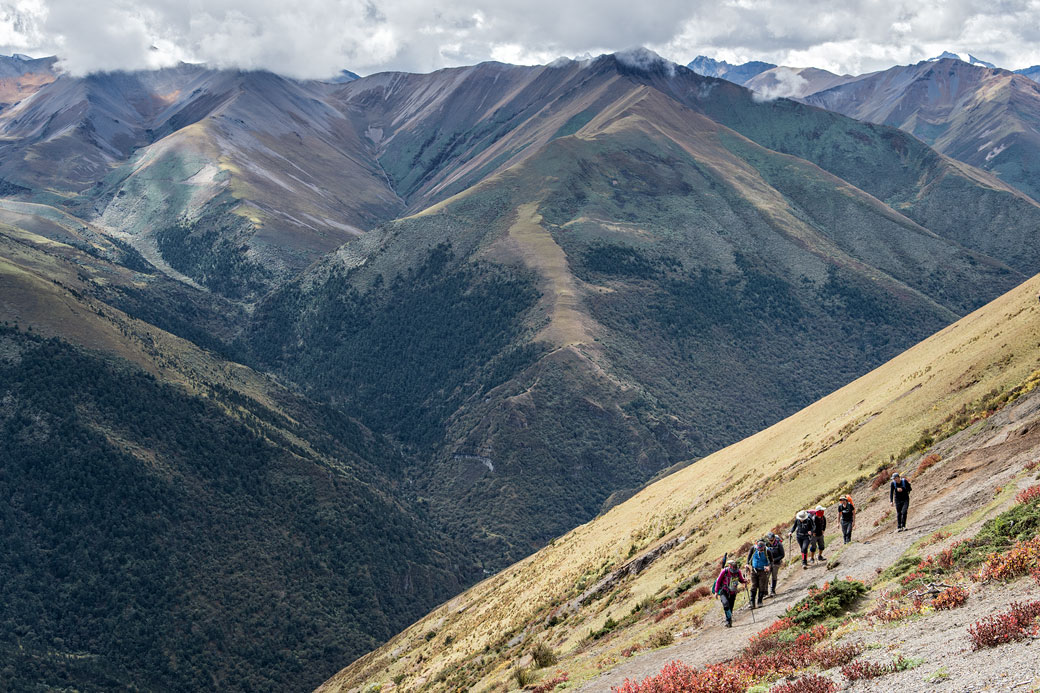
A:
(976, 463)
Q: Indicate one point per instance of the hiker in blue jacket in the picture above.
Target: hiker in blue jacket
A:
(759, 560)
(899, 496)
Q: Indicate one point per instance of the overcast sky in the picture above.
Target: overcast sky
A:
(317, 38)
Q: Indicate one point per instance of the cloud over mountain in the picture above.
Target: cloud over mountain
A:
(317, 38)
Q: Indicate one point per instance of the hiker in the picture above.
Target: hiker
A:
(899, 496)
(805, 526)
(816, 541)
(847, 515)
(726, 587)
(759, 560)
(776, 546)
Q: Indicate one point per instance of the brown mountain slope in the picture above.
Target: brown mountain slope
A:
(235, 179)
(985, 117)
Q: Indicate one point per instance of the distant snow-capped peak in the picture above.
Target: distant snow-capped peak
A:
(963, 57)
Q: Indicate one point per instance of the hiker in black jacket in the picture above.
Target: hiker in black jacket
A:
(847, 515)
(805, 527)
(776, 545)
(899, 496)
(816, 540)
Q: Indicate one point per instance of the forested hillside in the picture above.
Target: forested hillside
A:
(162, 541)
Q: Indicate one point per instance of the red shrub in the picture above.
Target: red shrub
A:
(629, 651)
(1020, 559)
(814, 636)
(910, 577)
(1013, 624)
(692, 596)
(950, 598)
(1033, 464)
(935, 537)
(1028, 495)
(810, 683)
(924, 464)
(945, 559)
(663, 614)
(828, 657)
(676, 677)
(854, 671)
(551, 684)
(777, 626)
(887, 612)
(881, 479)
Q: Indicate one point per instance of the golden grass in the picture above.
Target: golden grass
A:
(822, 447)
(568, 324)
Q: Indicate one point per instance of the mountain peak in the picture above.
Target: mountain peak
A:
(344, 76)
(739, 74)
(963, 57)
(643, 59)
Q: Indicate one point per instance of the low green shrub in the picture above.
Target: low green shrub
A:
(833, 599)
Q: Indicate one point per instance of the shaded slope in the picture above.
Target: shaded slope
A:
(693, 516)
(988, 118)
(164, 544)
(178, 521)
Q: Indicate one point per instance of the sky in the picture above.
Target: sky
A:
(318, 38)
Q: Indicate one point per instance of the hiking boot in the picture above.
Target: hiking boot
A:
(729, 624)
(805, 566)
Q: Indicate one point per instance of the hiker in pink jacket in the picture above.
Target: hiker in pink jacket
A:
(726, 587)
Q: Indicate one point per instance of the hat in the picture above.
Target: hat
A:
(731, 561)
(895, 474)
(802, 515)
(761, 542)
(770, 536)
(820, 507)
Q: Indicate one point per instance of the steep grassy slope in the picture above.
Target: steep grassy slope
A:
(710, 507)
(988, 118)
(177, 521)
(641, 290)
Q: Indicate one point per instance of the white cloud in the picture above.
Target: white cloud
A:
(786, 83)
(315, 38)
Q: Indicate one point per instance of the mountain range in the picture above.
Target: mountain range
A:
(962, 106)
(441, 320)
